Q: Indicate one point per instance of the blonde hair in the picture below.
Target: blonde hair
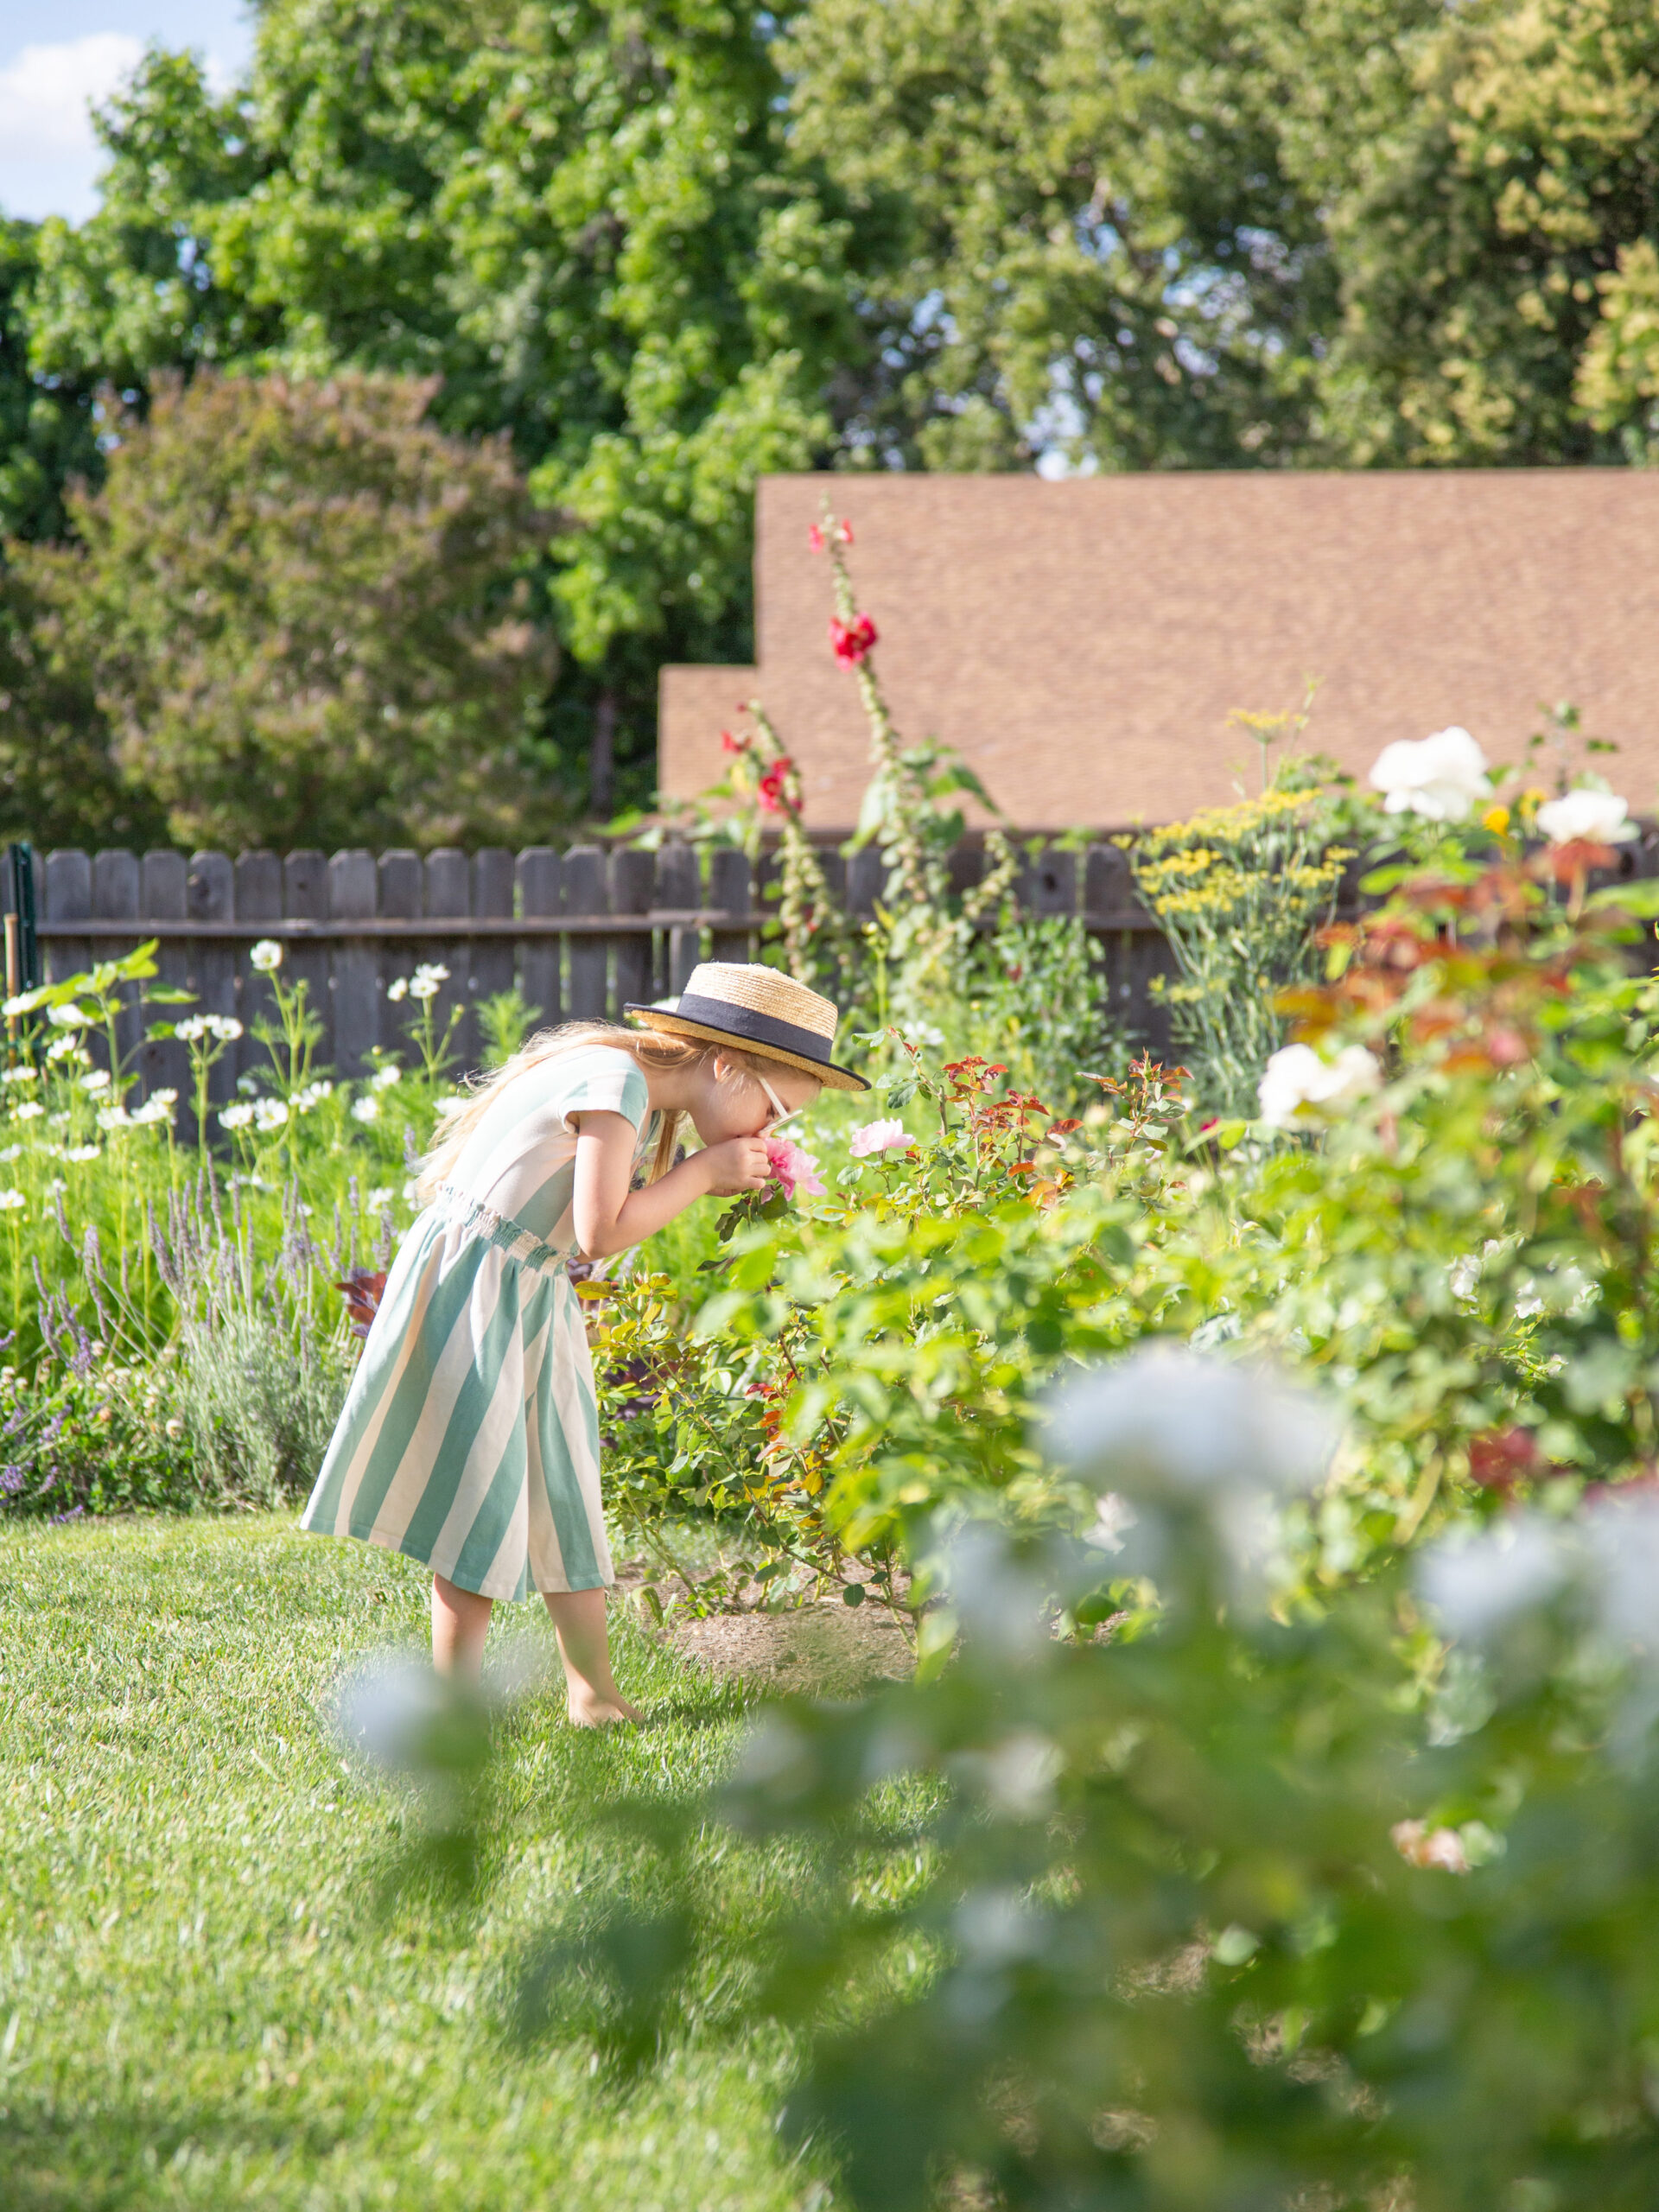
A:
(650, 1050)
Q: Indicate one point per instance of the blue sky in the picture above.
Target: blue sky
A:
(55, 56)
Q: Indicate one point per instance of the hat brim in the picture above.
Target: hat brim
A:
(832, 1077)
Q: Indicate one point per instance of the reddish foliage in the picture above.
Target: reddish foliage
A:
(362, 1290)
(1502, 1457)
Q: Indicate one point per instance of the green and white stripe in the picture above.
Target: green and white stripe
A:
(470, 1436)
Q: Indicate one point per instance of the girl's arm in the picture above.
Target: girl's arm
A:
(608, 1216)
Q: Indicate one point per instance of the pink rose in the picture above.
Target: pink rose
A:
(879, 1136)
(794, 1167)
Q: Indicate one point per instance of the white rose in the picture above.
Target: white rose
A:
(1441, 776)
(1298, 1086)
(1601, 816)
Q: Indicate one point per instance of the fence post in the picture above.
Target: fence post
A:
(305, 898)
(258, 898)
(492, 956)
(728, 893)
(450, 893)
(353, 887)
(69, 898)
(210, 896)
(164, 1065)
(632, 877)
(679, 885)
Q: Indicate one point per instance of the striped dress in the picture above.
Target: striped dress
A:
(470, 1437)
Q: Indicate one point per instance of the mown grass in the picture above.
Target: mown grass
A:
(214, 1988)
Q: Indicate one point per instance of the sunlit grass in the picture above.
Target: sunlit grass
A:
(207, 1998)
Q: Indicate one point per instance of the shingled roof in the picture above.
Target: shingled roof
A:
(1083, 642)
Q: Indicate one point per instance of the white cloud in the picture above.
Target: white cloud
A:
(46, 90)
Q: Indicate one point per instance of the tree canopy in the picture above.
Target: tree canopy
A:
(667, 245)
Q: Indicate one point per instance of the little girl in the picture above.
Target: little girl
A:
(470, 1437)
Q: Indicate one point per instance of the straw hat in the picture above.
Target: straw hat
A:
(762, 1010)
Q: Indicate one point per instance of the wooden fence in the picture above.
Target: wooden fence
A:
(578, 932)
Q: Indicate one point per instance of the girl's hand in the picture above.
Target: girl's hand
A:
(739, 1164)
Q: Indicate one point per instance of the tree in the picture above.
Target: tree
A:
(46, 425)
(304, 611)
(586, 218)
(1488, 172)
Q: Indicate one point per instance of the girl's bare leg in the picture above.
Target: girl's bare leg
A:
(461, 1621)
(579, 1624)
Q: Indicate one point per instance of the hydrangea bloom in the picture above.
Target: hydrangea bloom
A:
(1442, 777)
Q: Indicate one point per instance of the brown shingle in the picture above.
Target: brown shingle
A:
(1082, 643)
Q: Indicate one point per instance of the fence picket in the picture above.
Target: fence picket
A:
(540, 889)
(617, 933)
(115, 898)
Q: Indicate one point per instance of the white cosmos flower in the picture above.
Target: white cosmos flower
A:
(24, 1071)
(425, 985)
(11, 1200)
(376, 1200)
(385, 1076)
(266, 955)
(366, 1109)
(97, 1080)
(1600, 817)
(12, 1152)
(224, 1026)
(192, 1029)
(68, 1016)
(1299, 1085)
(397, 990)
(1442, 777)
(30, 1110)
(236, 1116)
(17, 1004)
(82, 1152)
(269, 1114)
(65, 1048)
(312, 1095)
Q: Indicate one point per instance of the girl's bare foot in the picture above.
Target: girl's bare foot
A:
(590, 1708)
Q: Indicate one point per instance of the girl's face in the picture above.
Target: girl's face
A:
(738, 1104)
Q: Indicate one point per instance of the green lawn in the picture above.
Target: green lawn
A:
(207, 1996)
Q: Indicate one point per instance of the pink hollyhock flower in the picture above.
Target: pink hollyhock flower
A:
(730, 744)
(879, 1136)
(844, 532)
(814, 539)
(794, 1167)
(850, 641)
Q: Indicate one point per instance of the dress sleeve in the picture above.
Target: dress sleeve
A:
(602, 1081)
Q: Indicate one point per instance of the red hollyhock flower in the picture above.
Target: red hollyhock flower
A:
(852, 640)
(730, 744)
(844, 532)
(814, 539)
(770, 793)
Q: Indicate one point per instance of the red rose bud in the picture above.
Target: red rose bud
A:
(852, 640)
(814, 539)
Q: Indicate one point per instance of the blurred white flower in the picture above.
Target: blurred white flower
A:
(398, 989)
(923, 1032)
(29, 1111)
(266, 955)
(1601, 816)
(427, 980)
(1017, 1776)
(192, 1029)
(114, 1117)
(1114, 1517)
(97, 1080)
(269, 1114)
(1443, 778)
(224, 1026)
(83, 1152)
(1477, 1584)
(65, 1048)
(56, 1185)
(411, 1191)
(12, 1201)
(376, 1200)
(18, 1003)
(235, 1117)
(312, 1095)
(366, 1109)
(67, 1016)
(1166, 1421)
(1298, 1087)
(24, 1071)
(13, 1151)
(1621, 1536)
(158, 1107)
(385, 1076)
